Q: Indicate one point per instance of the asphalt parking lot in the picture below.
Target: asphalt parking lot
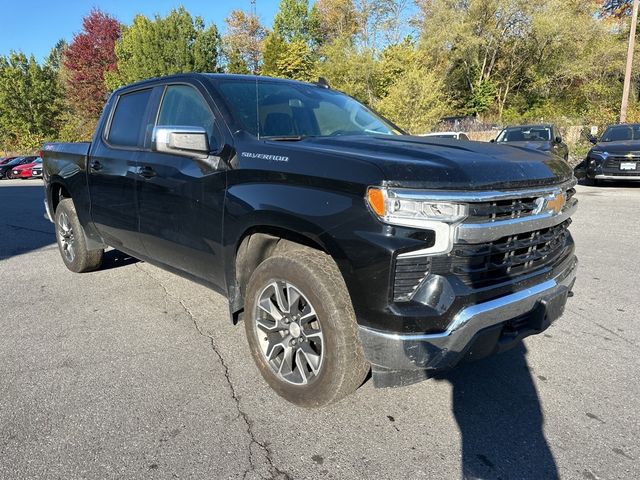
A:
(131, 372)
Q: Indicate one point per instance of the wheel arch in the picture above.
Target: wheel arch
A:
(261, 241)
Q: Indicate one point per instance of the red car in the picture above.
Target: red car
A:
(26, 170)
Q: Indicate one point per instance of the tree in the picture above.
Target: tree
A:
(177, 43)
(86, 61)
(290, 49)
(294, 22)
(335, 19)
(427, 104)
(29, 103)
(350, 70)
(243, 42)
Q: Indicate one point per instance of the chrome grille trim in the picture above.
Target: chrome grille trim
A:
(488, 195)
(490, 231)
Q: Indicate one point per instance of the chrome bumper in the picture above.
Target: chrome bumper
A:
(443, 350)
(616, 177)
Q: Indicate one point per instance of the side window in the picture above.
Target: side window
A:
(183, 106)
(126, 123)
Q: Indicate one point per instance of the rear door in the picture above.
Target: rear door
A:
(180, 199)
(113, 170)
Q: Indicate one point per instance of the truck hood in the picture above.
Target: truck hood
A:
(627, 146)
(438, 163)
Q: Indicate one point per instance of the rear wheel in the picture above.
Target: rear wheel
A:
(302, 330)
(9, 174)
(71, 240)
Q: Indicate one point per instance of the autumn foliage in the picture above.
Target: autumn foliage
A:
(89, 56)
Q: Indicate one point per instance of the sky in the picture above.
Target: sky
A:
(34, 26)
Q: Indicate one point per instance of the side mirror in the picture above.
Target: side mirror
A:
(190, 142)
(493, 140)
(593, 139)
(558, 139)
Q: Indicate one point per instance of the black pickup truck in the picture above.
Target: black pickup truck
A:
(344, 245)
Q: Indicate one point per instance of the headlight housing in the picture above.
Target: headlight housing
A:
(600, 153)
(415, 209)
(410, 208)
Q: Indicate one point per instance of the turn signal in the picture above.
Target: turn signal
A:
(376, 200)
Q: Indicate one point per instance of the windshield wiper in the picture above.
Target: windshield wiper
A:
(284, 138)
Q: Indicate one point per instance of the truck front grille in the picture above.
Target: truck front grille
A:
(481, 212)
(409, 272)
(489, 263)
(614, 164)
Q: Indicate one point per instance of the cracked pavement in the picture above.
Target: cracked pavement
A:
(132, 372)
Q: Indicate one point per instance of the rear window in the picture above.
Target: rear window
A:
(127, 120)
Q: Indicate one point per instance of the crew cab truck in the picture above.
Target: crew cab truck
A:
(343, 245)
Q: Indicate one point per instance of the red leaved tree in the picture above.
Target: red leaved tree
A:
(89, 56)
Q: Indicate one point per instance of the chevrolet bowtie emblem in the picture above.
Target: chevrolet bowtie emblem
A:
(556, 203)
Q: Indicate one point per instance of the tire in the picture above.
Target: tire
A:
(9, 175)
(71, 240)
(323, 306)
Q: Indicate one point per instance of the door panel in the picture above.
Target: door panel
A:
(113, 171)
(112, 185)
(180, 199)
(181, 214)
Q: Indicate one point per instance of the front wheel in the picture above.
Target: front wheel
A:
(302, 330)
(71, 241)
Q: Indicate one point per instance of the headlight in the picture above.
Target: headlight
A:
(600, 153)
(412, 208)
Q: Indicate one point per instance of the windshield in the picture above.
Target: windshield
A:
(620, 133)
(525, 134)
(288, 110)
(15, 161)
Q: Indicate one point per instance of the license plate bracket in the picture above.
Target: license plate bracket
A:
(628, 166)
(549, 309)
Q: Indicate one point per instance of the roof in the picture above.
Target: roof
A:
(535, 125)
(214, 77)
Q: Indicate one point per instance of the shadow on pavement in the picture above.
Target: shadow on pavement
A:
(498, 411)
(23, 227)
(116, 259)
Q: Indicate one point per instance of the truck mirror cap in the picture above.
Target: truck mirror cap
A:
(181, 140)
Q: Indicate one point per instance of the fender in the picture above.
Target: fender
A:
(276, 209)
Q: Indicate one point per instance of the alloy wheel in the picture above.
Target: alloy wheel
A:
(67, 238)
(289, 333)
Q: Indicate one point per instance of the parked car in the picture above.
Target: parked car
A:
(342, 244)
(5, 160)
(453, 135)
(37, 171)
(615, 156)
(543, 137)
(25, 171)
(6, 170)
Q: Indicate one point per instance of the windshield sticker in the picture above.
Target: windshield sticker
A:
(265, 156)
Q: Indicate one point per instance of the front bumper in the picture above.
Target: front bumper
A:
(616, 177)
(536, 307)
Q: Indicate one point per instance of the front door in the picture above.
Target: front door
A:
(180, 199)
